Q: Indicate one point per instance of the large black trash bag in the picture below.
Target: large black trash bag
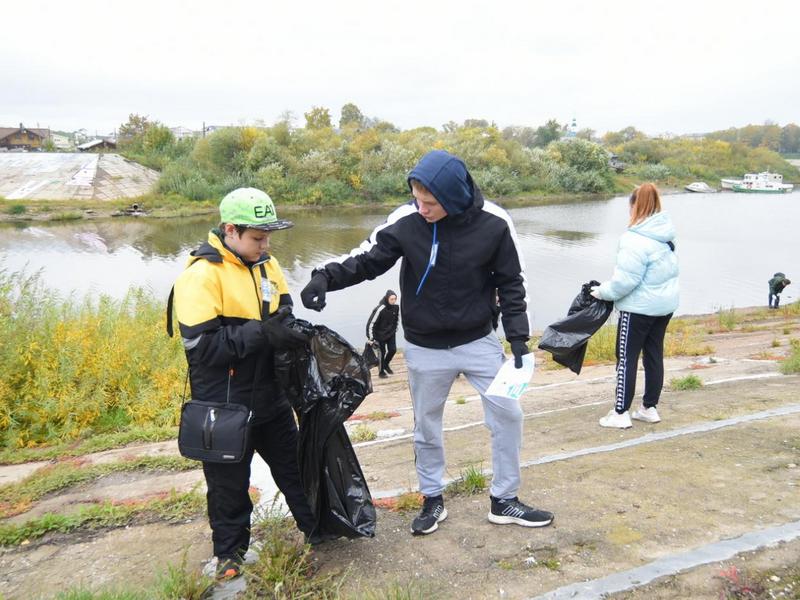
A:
(566, 339)
(325, 382)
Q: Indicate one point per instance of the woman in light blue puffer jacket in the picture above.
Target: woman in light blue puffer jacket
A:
(644, 289)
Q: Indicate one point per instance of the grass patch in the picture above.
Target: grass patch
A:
(602, 347)
(176, 582)
(471, 481)
(171, 507)
(409, 501)
(727, 319)
(285, 569)
(400, 591)
(16, 209)
(17, 497)
(792, 363)
(683, 338)
(362, 433)
(67, 215)
(776, 343)
(690, 382)
(95, 443)
(460, 400)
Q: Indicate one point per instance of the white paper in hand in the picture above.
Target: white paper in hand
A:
(510, 382)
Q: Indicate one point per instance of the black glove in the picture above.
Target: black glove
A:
(278, 333)
(313, 295)
(519, 348)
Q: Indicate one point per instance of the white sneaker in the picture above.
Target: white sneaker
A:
(614, 419)
(648, 415)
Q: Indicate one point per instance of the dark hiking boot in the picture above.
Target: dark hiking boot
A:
(433, 512)
(511, 510)
(383, 375)
(228, 568)
(388, 370)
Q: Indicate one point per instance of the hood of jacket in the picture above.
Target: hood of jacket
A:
(447, 178)
(658, 227)
(385, 299)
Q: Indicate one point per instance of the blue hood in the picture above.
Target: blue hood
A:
(447, 178)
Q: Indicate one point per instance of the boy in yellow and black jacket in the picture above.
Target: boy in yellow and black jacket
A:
(231, 303)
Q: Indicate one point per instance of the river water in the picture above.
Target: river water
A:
(729, 245)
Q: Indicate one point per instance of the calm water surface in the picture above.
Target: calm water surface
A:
(729, 245)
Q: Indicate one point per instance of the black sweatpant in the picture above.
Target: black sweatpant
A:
(776, 298)
(388, 349)
(229, 505)
(636, 334)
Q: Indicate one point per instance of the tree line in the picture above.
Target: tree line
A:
(366, 159)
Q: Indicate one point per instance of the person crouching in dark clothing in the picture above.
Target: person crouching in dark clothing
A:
(776, 286)
(382, 327)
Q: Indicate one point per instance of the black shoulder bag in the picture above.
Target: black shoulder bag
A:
(216, 432)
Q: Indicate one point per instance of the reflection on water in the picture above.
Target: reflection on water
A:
(729, 245)
(569, 237)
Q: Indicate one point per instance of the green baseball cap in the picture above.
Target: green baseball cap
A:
(250, 207)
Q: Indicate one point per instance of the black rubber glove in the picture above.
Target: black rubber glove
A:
(313, 295)
(519, 348)
(279, 335)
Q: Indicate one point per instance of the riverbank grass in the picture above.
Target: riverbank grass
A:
(72, 369)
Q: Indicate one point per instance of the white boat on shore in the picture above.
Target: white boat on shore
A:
(763, 183)
(700, 187)
(727, 183)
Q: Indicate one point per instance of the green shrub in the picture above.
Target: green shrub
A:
(690, 382)
(792, 362)
(16, 209)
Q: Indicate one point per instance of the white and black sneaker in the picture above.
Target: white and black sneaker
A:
(433, 512)
(511, 510)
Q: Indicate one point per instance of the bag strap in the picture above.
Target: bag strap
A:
(170, 302)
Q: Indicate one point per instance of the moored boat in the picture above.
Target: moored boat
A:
(763, 183)
(700, 187)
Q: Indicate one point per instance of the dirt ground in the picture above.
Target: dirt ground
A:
(724, 466)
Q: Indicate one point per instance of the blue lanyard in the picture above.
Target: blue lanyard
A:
(431, 260)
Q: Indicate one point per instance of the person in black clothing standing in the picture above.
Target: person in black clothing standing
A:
(382, 327)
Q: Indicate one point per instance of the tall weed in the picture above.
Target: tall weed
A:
(73, 368)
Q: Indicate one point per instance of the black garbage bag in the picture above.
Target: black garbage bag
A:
(325, 382)
(566, 339)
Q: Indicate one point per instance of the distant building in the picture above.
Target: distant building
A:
(98, 145)
(61, 142)
(23, 138)
(181, 132)
(571, 132)
(80, 136)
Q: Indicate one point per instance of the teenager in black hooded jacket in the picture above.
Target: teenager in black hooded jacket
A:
(382, 327)
(459, 255)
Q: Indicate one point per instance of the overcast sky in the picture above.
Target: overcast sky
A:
(677, 66)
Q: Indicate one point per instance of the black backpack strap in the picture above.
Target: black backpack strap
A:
(170, 300)
(671, 246)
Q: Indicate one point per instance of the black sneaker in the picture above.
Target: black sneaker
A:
(433, 512)
(511, 510)
(388, 370)
(382, 375)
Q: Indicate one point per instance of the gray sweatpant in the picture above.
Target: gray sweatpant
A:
(431, 373)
